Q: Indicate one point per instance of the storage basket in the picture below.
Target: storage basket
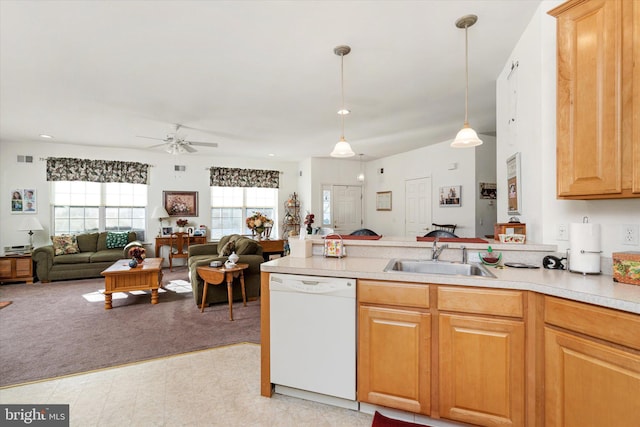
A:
(334, 246)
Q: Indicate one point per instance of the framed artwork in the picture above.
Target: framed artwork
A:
(514, 185)
(23, 200)
(488, 190)
(450, 196)
(383, 201)
(181, 203)
(167, 231)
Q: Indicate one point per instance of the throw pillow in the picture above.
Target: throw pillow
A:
(228, 248)
(63, 245)
(117, 240)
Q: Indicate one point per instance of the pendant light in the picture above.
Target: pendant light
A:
(467, 137)
(360, 176)
(342, 148)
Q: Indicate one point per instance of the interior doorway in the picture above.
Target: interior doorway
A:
(417, 202)
(342, 208)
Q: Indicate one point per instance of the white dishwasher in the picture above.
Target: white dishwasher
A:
(313, 337)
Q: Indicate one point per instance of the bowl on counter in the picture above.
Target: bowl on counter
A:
(490, 258)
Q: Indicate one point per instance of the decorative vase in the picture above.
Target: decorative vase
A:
(180, 229)
(133, 263)
(234, 257)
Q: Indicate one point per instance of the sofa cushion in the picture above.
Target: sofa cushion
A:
(87, 242)
(107, 255)
(65, 244)
(246, 246)
(117, 240)
(79, 258)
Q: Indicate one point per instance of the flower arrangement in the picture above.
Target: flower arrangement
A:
(257, 222)
(138, 253)
(308, 220)
(182, 222)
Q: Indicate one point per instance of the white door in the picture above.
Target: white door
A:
(417, 194)
(347, 208)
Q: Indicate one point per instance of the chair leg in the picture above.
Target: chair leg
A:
(170, 263)
(204, 296)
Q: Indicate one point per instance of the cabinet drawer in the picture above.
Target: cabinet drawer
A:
(604, 323)
(497, 302)
(393, 293)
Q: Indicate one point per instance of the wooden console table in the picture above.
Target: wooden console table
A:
(16, 268)
(166, 241)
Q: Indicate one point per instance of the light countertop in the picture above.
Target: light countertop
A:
(593, 289)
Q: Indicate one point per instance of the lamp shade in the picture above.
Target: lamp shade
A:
(467, 137)
(342, 149)
(30, 223)
(160, 212)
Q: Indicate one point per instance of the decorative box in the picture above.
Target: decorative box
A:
(508, 228)
(626, 267)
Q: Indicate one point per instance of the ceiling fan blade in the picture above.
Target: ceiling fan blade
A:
(203, 144)
(150, 137)
(156, 146)
(189, 148)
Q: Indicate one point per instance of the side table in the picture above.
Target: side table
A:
(16, 268)
(216, 276)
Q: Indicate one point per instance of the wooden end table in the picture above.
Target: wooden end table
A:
(122, 278)
(216, 276)
(16, 268)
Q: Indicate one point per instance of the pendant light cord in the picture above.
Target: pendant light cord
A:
(342, 89)
(466, 71)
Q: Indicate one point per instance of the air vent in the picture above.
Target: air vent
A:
(25, 159)
(179, 168)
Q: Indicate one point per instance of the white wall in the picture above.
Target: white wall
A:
(536, 141)
(486, 210)
(162, 177)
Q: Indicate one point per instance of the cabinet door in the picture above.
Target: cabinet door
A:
(482, 375)
(394, 358)
(589, 384)
(589, 140)
(24, 267)
(6, 268)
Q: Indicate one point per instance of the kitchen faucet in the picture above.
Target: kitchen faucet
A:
(436, 251)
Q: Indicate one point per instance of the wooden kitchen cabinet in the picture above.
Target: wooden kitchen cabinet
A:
(598, 99)
(592, 365)
(394, 345)
(481, 356)
(16, 268)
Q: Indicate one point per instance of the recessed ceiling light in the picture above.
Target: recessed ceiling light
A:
(271, 155)
(344, 112)
(42, 135)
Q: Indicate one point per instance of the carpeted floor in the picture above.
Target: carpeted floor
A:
(62, 327)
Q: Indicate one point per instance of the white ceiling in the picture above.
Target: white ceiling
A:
(256, 77)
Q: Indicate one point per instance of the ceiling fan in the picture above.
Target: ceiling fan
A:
(175, 143)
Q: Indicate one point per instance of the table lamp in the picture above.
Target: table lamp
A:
(160, 213)
(30, 223)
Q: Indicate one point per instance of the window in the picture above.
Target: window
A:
(84, 207)
(230, 206)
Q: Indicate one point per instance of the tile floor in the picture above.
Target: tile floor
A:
(217, 387)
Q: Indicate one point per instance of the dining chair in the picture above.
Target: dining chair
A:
(179, 247)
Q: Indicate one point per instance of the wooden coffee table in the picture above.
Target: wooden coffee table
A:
(216, 276)
(122, 278)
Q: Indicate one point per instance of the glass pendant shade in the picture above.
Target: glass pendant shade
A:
(342, 149)
(467, 137)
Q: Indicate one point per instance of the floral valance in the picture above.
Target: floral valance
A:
(68, 169)
(235, 177)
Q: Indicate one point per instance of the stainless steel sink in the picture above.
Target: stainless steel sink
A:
(423, 266)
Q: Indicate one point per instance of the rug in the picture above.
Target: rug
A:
(62, 328)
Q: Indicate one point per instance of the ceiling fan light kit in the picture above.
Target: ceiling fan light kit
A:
(466, 137)
(176, 144)
(342, 148)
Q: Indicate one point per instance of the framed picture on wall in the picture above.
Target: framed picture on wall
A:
(167, 231)
(181, 203)
(488, 190)
(23, 200)
(450, 196)
(383, 201)
(514, 185)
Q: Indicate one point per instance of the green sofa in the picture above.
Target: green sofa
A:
(94, 257)
(249, 251)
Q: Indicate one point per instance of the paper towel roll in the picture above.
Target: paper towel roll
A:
(584, 248)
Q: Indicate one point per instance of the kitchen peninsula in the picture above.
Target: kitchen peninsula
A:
(435, 346)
